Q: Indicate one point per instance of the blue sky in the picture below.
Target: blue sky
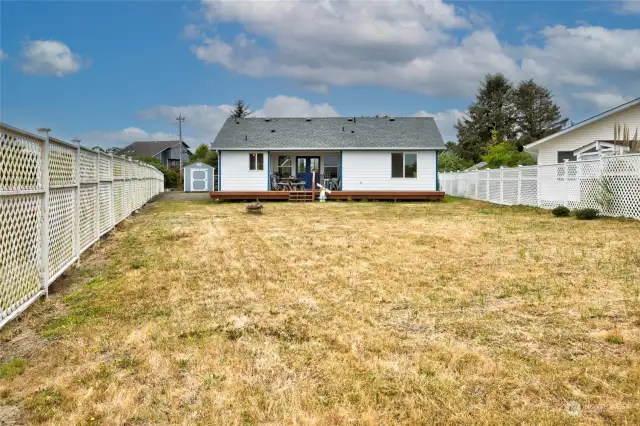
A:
(114, 72)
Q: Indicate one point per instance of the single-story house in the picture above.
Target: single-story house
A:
(372, 157)
(589, 136)
(168, 152)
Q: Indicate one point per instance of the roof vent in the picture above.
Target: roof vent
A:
(392, 119)
(308, 119)
(343, 128)
(353, 131)
(267, 120)
(349, 119)
(245, 137)
(273, 130)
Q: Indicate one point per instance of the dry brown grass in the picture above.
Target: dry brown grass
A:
(338, 313)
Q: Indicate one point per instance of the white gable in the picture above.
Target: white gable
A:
(597, 128)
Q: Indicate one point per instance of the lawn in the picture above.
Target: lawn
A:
(356, 313)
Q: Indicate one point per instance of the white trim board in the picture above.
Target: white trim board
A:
(593, 119)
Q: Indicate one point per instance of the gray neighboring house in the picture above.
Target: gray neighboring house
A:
(347, 153)
(168, 152)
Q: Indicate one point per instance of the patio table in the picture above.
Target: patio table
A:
(291, 181)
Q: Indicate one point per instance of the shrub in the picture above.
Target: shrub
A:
(561, 211)
(586, 214)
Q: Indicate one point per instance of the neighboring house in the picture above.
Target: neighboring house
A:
(168, 152)
(354, 154)
(478, 166)
(589, 136)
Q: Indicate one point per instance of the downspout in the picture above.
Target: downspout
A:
(340, 170)
(437, 180)
(268, 170)
(219, 170)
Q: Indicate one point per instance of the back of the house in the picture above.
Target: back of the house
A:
(344, 153)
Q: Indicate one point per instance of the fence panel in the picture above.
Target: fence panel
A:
(609, 184)
(56, 199)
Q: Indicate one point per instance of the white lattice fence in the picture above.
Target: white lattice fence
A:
(56, 200)
(609, 184)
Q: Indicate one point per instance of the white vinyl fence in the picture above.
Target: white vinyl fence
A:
(609, 184)
(56, 200)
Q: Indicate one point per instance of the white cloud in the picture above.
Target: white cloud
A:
(628, 7)
(291, 106)
(603, 100)
(121, 138)
(203, 121)
(446, 121)
(583, 56)
(3, 55)
(49, 57)
(414, 45)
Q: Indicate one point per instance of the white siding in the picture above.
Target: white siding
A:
(236, 176)
(598, 130)
(371, 171)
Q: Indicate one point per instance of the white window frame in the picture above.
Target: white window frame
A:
(256, 169)
(290, 166)
(404, 162)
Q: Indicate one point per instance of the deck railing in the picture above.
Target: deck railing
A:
(56, 200)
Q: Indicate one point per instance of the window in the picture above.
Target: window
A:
(566, 155)
(404, 165)
(331, 166)
(284, 166)
(256, 161)
(302, 166)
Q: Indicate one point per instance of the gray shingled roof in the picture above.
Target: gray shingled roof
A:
(329, 133)
(147, 148)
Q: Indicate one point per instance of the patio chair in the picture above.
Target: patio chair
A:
(334, 184)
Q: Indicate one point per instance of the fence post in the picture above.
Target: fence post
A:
(488, 183)
(501, 184)
(566, 183)
(112, 207)
(45, 211)
(76, 237)
(519, 184)
(477, 176)
(98, 196)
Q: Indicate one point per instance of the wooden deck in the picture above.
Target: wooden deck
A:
(335, 195)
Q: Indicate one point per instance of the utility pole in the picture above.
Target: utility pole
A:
(180, 120)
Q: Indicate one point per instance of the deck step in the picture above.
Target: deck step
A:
(300, 196)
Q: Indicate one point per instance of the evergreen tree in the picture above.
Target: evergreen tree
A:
(240, 109)
(204, 155)
(493, 110)
(538, 116)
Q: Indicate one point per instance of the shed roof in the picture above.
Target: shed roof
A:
(198, 164)
(329, 133)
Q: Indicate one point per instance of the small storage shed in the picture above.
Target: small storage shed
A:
(198, 177)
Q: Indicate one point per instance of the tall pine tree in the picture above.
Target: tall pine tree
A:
(538, 116)
(240, 109)
(493, 112)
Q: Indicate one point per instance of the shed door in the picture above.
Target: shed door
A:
(199, 180)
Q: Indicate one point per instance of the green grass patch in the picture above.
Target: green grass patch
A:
(46, 403)
(13, 368)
